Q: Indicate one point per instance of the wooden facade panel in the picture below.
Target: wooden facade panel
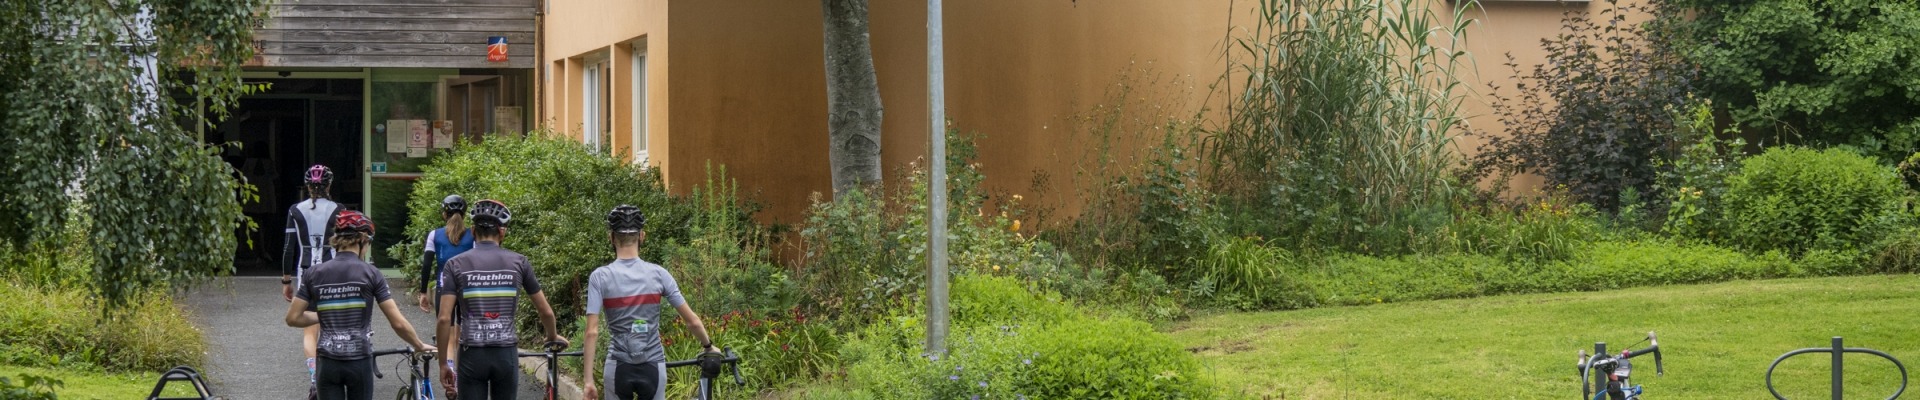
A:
(388, 61)
(393, 12)
(394, 33)
(521, 3)
(396, 24)
(393, 49)
(516, 39)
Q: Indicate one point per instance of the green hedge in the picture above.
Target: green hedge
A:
(1605, 265)
(1008, 342)
(1796, 199)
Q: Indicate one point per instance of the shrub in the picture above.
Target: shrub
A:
(1897, 253)
(1245, 273)
(1592, 118)
(1007, 342)
(1694, 181)
(1551, 228)
(560, 191)
(781, 348)
(1112, 359)
(1796, 199)
(31, 387)
(865, 253)
(57, 327)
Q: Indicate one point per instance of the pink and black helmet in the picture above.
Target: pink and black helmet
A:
(318, 175)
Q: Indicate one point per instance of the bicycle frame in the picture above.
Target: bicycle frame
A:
(552, 355)
(704, 391)
(419, 384)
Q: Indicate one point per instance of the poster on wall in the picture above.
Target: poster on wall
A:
(422, 134)
(507, 120)
(396, 131)
(443, 134)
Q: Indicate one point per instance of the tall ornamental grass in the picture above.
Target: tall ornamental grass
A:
(1341, 134)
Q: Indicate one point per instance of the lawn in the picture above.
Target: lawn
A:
(1717, 340)
(99, 385)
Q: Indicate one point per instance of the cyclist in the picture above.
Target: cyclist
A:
(337, 297)
(308, 225)
(443, 244)
(480, 289)
(630, 292)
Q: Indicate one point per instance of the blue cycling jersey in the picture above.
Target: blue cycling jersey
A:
(441, 247)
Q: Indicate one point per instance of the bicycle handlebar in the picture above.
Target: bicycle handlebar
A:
(554, 350)
(727, 358)
(402, 350)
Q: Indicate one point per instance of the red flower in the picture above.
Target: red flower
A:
(669, 341)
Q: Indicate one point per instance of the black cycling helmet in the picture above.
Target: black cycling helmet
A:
(626, 219)
(453, 204)
(491, 214)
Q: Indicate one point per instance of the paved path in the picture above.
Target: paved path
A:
(252, 354)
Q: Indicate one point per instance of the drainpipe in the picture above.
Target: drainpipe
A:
(540, 71)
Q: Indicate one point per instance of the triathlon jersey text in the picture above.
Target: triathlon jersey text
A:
(344, 291)
(486, 283)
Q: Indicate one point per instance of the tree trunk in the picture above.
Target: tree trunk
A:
(853, 97)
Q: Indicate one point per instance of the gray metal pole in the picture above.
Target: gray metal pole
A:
(1839, 351)
(937, 221)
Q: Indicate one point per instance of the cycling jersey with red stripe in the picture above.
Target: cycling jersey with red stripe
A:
(629, 294)
(486, 283)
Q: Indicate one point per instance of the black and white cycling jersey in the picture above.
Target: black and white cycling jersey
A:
(308, 225)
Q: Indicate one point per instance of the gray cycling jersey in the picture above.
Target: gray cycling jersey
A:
(344, 292)
(628, 295)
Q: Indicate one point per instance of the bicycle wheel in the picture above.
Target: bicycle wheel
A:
(406, 393)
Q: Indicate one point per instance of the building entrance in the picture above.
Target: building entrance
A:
(292, 125)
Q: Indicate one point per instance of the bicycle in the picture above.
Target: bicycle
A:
(1615, 369)
(552, 355)
(419, 385)
(710, 364)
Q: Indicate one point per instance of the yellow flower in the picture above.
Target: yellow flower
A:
(996, 268)
(1015, 227)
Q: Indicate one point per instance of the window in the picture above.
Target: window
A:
(595, 120)
(589, 120)
(639, 104)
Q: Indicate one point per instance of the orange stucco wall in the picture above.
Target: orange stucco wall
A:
(748, 88)
(578, 31)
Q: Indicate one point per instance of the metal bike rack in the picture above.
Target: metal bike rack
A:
(1838, 351)
(182, 374)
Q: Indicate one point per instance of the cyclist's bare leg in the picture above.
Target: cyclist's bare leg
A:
(310, 341)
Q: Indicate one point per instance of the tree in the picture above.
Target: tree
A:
(853, 97)
(96, 99)
(1822, 72)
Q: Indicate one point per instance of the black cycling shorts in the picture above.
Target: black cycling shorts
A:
(622, 381)
(343, 380)
(489, 373)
